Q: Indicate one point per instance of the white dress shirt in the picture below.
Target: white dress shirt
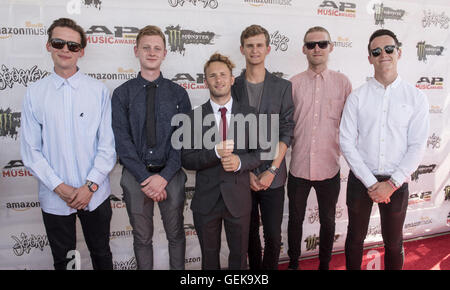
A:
(384, 131)
(218, 117)
(66, 137)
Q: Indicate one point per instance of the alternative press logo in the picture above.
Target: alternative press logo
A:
(9, 77)
(419, 197)
(213, 4)
(24, 243)
(178, 38)
(424, 49)
(423, 169)
(430, 83)
(15, 168)
(189, 82)
(101, 34)
(9, 123)
(344, 9)
(435, 19)
(29, 29)
(381, 13)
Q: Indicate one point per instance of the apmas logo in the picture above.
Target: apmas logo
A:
(100, 34)
(381, 13)
(178, 38)
(15, 168)
(435, 19)
(430, 83)
(74, 6)
(426, 49)
(23, 244)
(188, 82)
(9, 123)
(344, 9)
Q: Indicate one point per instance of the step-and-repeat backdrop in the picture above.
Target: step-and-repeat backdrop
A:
(194, 30)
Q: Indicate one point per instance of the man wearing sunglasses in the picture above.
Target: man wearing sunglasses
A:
(383, 133)
(269, 94)
(68, 143)
(319, 96)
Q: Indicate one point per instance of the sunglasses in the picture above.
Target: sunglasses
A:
(388, 49)
(59, 44)
(322, 44)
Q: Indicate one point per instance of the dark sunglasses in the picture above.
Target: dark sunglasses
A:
(59, 44)
(388, 49)
(322, 44)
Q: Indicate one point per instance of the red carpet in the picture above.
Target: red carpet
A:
(429, 253)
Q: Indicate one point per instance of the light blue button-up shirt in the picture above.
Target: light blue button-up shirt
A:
(66, 137)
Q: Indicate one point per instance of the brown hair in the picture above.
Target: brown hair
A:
(317, 29)
(219, 58)
(150, 30)
(67, 22)
(381, 32)
(254, 30)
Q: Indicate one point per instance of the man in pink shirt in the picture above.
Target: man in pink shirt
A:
(319, 96)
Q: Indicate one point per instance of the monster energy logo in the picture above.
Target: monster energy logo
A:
(426, 49)
(179, 37)
(382, 13)
(9, 122)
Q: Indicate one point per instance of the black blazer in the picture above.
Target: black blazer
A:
(276, 99)
(211, 180)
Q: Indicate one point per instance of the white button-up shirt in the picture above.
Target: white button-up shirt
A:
(66, 137)
(384, 131)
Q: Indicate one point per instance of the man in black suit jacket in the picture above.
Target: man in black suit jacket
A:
(270, 95)
(222, 191)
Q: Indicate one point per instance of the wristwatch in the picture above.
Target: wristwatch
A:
(395, 183)
(272, 169)
(92, 186)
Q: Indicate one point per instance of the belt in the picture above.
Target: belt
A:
(382, 178)
(155, 168)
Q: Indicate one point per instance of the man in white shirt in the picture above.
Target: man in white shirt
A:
(68, 144)
(383, 134)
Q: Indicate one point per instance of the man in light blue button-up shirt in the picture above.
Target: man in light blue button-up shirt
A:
(68, 144)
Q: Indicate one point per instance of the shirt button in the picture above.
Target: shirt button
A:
(151, 152)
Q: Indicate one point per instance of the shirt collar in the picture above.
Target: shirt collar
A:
(311, 74)
(393, 85)
(145, 82)
(216, 107)
(73, 81)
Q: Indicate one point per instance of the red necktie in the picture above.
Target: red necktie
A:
(223, 123)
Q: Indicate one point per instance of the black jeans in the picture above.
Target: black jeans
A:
(327, 192)
(61, 233)
(392, 216)
(270, 202)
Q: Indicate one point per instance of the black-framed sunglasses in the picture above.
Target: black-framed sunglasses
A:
(312, 44)
(388, 49)
(59, 44)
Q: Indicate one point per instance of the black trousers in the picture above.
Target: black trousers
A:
(61, 233)
(392, 216)
(327, 192)
(209, 232)
(270, 203)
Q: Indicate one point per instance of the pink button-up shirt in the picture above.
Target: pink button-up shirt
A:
(318, 100)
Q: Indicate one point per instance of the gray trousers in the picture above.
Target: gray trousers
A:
(140, 212)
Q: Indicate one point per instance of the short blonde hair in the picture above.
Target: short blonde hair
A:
(217, 57)
(317, 29)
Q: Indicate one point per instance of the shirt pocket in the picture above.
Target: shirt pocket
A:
(335, 107)
(400, 114)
